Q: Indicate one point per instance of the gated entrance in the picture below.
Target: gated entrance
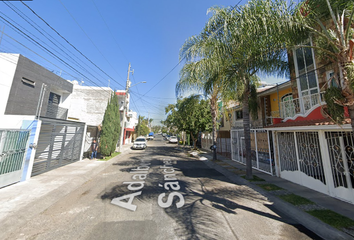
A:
(13, 146)
(321, 160)
(261, 147)
(59, 144)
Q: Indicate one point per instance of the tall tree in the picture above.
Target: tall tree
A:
(246, 42)
(203, 71)
(195, 116)
(110, 127)
(142, 129)
(191, 115)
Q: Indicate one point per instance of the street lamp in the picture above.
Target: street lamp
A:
(137, 84)
(124, 108)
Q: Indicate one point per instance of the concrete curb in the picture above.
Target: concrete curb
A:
(312, 223)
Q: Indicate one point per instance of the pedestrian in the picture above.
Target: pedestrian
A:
(94, 147)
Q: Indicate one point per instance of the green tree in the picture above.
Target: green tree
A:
(238, 43)
(191, 115)
(116, 122)
(142, 129)
(196, 116)
(203, 71)
(110, 127)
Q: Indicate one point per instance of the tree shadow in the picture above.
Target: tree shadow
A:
(197, 218)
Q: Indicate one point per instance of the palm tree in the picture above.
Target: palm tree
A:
(330, 24)
(202, 71)
(254, 45)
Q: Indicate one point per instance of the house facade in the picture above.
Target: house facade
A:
(304, 144)
(88, 104)
(130, 118)
(36, 100)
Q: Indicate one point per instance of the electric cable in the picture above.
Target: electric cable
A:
(46, 49)
(69, 43)
(91, 41)
(48, 60)
(47, 35)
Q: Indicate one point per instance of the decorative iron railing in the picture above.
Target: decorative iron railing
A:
(292, 107)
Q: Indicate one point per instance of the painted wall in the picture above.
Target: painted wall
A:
(35, 127)
(274, 103)
(88, 104)
(23, 98)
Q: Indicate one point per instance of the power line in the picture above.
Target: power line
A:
(109, 30)
(69, 43)
(50, 61)
(184, 58)
(91, 42)
(21, 32)
(47, 36)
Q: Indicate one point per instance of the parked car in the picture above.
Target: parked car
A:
(139, 143)
(173, 139)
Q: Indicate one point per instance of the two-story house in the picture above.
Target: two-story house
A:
(305, 145)
(36, 99)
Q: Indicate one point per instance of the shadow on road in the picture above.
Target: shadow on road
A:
(207, 193)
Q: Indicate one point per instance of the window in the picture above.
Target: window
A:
(305, 70)
(287, 106)
(54, 98)
(331, 79)
(287, 97)
(238, 115)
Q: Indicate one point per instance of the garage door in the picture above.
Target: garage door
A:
(59, 144)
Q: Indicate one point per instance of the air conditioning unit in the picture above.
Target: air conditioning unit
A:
(129, 115)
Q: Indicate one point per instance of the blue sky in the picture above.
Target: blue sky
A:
(146, 33)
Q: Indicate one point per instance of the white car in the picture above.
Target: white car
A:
(139, 143)
(173, 139)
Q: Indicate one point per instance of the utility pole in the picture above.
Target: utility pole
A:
(124, 109)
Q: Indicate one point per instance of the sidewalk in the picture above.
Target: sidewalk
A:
(33, 196)
(234, 170)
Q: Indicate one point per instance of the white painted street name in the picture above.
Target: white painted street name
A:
(140, 174)
(171, 183)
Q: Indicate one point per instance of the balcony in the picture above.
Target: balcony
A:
(54, 111)
(293, 107)
(289, 109)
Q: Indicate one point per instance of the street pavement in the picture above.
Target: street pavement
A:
(157, 193)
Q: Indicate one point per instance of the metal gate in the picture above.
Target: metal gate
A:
(301, 160)
(341, 162)
(13, 147)
(261, 149)
(320, 160)
(59, 144)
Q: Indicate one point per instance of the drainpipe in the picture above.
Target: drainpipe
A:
(40, 100)
(278, 100)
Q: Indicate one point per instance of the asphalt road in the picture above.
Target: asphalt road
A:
(160, 193)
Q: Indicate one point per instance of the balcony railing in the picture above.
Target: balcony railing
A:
(54, 111)
(292, 107)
